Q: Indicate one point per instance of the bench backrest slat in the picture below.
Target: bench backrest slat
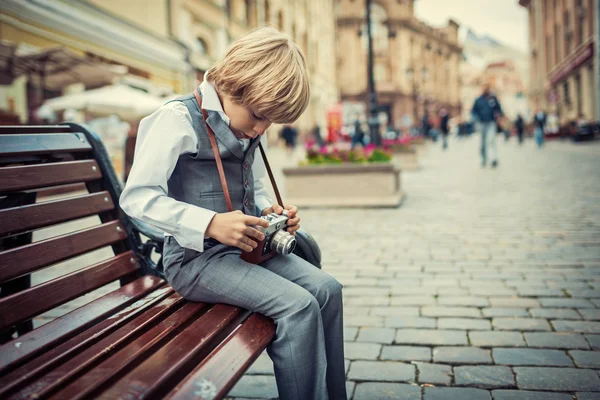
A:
(59, 225)
(18, 145)
(20, 129)
(27, 177)
(32, 257)
(24, 218)
(38, 299)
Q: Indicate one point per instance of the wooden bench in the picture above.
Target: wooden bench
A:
(140, 340)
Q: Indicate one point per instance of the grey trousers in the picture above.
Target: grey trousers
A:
(304, 302)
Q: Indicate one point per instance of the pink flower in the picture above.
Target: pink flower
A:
(324, 150)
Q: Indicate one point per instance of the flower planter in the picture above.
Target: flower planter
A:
(344, 185)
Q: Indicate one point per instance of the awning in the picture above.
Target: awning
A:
(122, 100)
(56, 68)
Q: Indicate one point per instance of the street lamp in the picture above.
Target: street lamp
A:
(373, 121)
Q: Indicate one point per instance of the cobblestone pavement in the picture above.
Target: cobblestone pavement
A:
(485, 284)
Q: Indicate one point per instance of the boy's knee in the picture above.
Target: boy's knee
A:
(329, 290)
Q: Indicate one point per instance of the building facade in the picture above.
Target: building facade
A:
(564, 70)
(169, 44)
(416, 66)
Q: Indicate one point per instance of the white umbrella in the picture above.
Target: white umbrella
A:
(121, 100)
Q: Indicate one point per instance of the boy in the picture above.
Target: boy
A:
(174, 185)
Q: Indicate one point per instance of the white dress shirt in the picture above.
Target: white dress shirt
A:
(162, 137)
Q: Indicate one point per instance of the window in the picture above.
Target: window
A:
(557, 38)
(568, 32)
(566, 94)
(579, 24)
(578, 94)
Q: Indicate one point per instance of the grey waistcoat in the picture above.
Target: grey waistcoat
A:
(195, 179)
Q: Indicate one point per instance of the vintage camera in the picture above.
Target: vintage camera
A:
(277, 240)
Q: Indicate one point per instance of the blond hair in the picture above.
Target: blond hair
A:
(266, 72)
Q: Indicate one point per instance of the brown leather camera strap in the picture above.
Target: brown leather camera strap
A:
(215, 148)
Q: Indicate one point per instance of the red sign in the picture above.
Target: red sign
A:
(576, 61)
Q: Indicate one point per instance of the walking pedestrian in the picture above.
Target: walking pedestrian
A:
(358, 137)
(486, 110)
(540, 124)
(289, 134)
(444, 119)
(520, 126)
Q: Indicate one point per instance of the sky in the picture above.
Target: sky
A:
(503, 20)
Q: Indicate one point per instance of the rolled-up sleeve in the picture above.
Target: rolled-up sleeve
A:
(162, 138)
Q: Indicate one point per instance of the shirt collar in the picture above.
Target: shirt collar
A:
(210, 99)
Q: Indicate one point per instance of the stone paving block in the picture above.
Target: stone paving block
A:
(406, 353)
(586, 359)
(467, 301)
(565, 303)
(594, 341)
(385, 371)
(576, 326)
(518, 302)
(461, 355)
(584, 293)
(557, 379)
(500, 394)
(395, 311)
(551, 313)
(504, 312)
(376, 335)
(413, 300)
(520, 324)
(360, 311)
(386, 391)
(484, 377)
(350, 389)
(432, 393)
(365, 291)
(538, 292)
(361, 351)
(496, 339)
(536, 357)
(450, 312)
(366, 300)
(417, 290)
(350, 333)
(498, 291)
(434, 374)
(262, 366)
(410, 322)
(588, 313)
(552, 340)
(431, 337)
(255, 386)
(464, 323)
(361, 320)
(588, 396)
(452, 291)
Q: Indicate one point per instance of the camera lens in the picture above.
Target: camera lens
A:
(283, 242)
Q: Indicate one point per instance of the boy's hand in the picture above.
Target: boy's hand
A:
(233, 229)
(293, 222)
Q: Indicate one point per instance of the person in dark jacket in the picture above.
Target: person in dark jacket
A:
(520, 127)
(444, 119)
(486, 111)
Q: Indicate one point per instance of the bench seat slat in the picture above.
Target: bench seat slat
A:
(166, 366)
(55, 368)
(20, 219)
(29, 258)
(28, 303)
(226, 364)
(19, 144)
(150, 337)
(25, 177)
(57, 331)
